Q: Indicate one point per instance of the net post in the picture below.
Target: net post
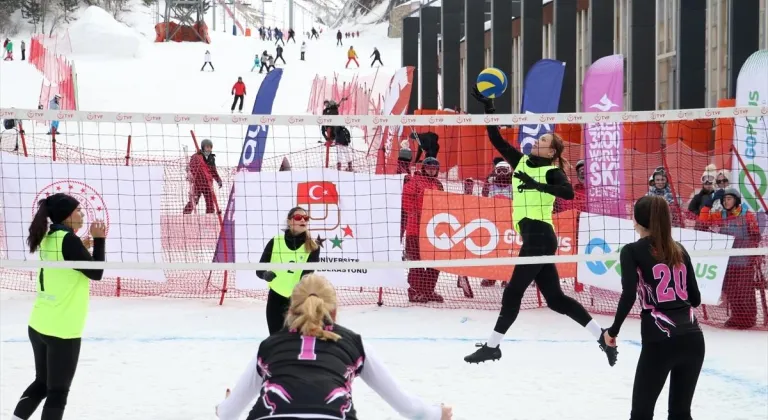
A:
(128, 152)
(53, 144)
(749, 176)
(23, 139)
(194, 140)
(118, 287)
(761, 286)
(222, 233)
(381, 295)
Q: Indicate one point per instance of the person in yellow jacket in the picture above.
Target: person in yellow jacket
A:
(58, 317)
(293, 245)
(352, 56)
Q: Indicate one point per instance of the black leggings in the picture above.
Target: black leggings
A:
(55, 365)
(680, 358)
(234, 103)
(277, 306)
(538, 239)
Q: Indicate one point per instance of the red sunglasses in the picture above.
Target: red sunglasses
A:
(300, 218)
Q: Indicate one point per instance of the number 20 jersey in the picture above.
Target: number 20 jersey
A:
(307, 377)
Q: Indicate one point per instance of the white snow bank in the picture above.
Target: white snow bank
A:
(98, 33)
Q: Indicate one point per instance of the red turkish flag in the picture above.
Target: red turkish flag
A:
(317, 192)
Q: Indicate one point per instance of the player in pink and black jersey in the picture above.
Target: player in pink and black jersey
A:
(306, 370)
(659, 270)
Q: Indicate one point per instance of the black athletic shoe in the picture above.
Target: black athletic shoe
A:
(611, 352)
(483, 354)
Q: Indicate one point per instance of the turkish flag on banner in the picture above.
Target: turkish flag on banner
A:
(317, 192)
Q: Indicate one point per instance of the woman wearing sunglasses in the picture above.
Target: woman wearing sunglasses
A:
(294, 245)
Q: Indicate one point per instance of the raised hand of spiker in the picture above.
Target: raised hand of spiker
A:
(487, 102)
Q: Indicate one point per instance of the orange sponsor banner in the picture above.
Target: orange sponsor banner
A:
(457, 227)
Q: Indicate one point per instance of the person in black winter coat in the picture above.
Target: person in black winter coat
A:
(428, 144)
(291, 35)
(376, 57)
(279, 54)
(338, 38)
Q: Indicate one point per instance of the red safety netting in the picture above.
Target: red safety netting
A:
(48, 55)
(192, 238)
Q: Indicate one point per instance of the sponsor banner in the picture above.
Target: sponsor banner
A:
(541, 95)
(605, 235)
(457, 227)
(604, 147)
(250, 160)
(751, 132)
(185, 121)
(354, 217)
(126, 198)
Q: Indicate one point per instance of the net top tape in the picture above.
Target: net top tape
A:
(384, 120)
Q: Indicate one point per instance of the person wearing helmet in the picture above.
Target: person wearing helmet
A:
(538, 180)
(329, 133)
(422, 281)
(201, 173)
(238, 91)
(55, 104)
(736, 220)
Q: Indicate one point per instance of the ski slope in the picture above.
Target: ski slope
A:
(172, 359)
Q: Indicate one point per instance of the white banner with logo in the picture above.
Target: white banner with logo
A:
(605, 235)
(126, 198)
(751, 133)
(355, 217)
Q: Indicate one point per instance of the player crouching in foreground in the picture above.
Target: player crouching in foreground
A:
(306, 370)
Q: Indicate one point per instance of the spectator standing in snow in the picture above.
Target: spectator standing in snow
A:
(256, 63)
(201, 173)
(23, 50)
(8, 50)
(291, 35)
(358, 34)
(279, 55)
(314, 34)
(303, 49)
(352, 56)
(264, 64)
(238, 90)
(54, 105)
(376, 57)
(207, 61)
(338, 38)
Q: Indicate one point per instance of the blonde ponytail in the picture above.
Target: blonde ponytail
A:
(312, 302)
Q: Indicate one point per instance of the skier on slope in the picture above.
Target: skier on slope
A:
(256, 63)
(264, 62)
(338, 38)
(352, 56)
(207, 61)
(279, 36)
(303, 49)
(314, 34)
(54, 105)
(238, 91)
(279, 54)
(201, 173)
(291, 35)
(376, 57)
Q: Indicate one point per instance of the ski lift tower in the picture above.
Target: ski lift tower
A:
(183, 13)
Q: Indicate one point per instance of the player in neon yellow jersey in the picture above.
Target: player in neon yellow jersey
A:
(539, 179)
(294, 245)
(58, 317)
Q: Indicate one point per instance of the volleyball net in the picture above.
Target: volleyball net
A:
(389, 230)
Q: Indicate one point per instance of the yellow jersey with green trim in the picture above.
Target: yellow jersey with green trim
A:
(286, 280)
(63, 294)
(532, 204)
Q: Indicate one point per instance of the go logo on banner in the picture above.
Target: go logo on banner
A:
(601, 267)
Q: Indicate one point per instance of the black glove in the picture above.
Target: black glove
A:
(487, 102)
(528, 183)
(269, 276)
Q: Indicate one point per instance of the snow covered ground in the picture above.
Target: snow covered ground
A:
(172, 359)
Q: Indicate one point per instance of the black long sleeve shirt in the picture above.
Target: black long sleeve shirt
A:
(72, 249)
(557, 182)
(293, 242)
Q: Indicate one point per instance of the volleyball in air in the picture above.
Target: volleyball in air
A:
(492, 82)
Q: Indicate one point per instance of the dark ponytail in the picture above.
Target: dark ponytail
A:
(665, 249)
(38, 228)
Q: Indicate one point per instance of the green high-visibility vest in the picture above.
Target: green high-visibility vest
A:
(62, 294)
(532, 204)
(286, 280)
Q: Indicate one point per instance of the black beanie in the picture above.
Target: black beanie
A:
(59, 206)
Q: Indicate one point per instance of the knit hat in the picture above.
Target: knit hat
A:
(59, 206)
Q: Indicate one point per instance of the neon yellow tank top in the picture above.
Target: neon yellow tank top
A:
(286, 280)
(63, 294)
(532, 204)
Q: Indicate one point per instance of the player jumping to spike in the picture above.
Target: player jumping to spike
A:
(539, 179)
(306, 370)
(660, 271)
